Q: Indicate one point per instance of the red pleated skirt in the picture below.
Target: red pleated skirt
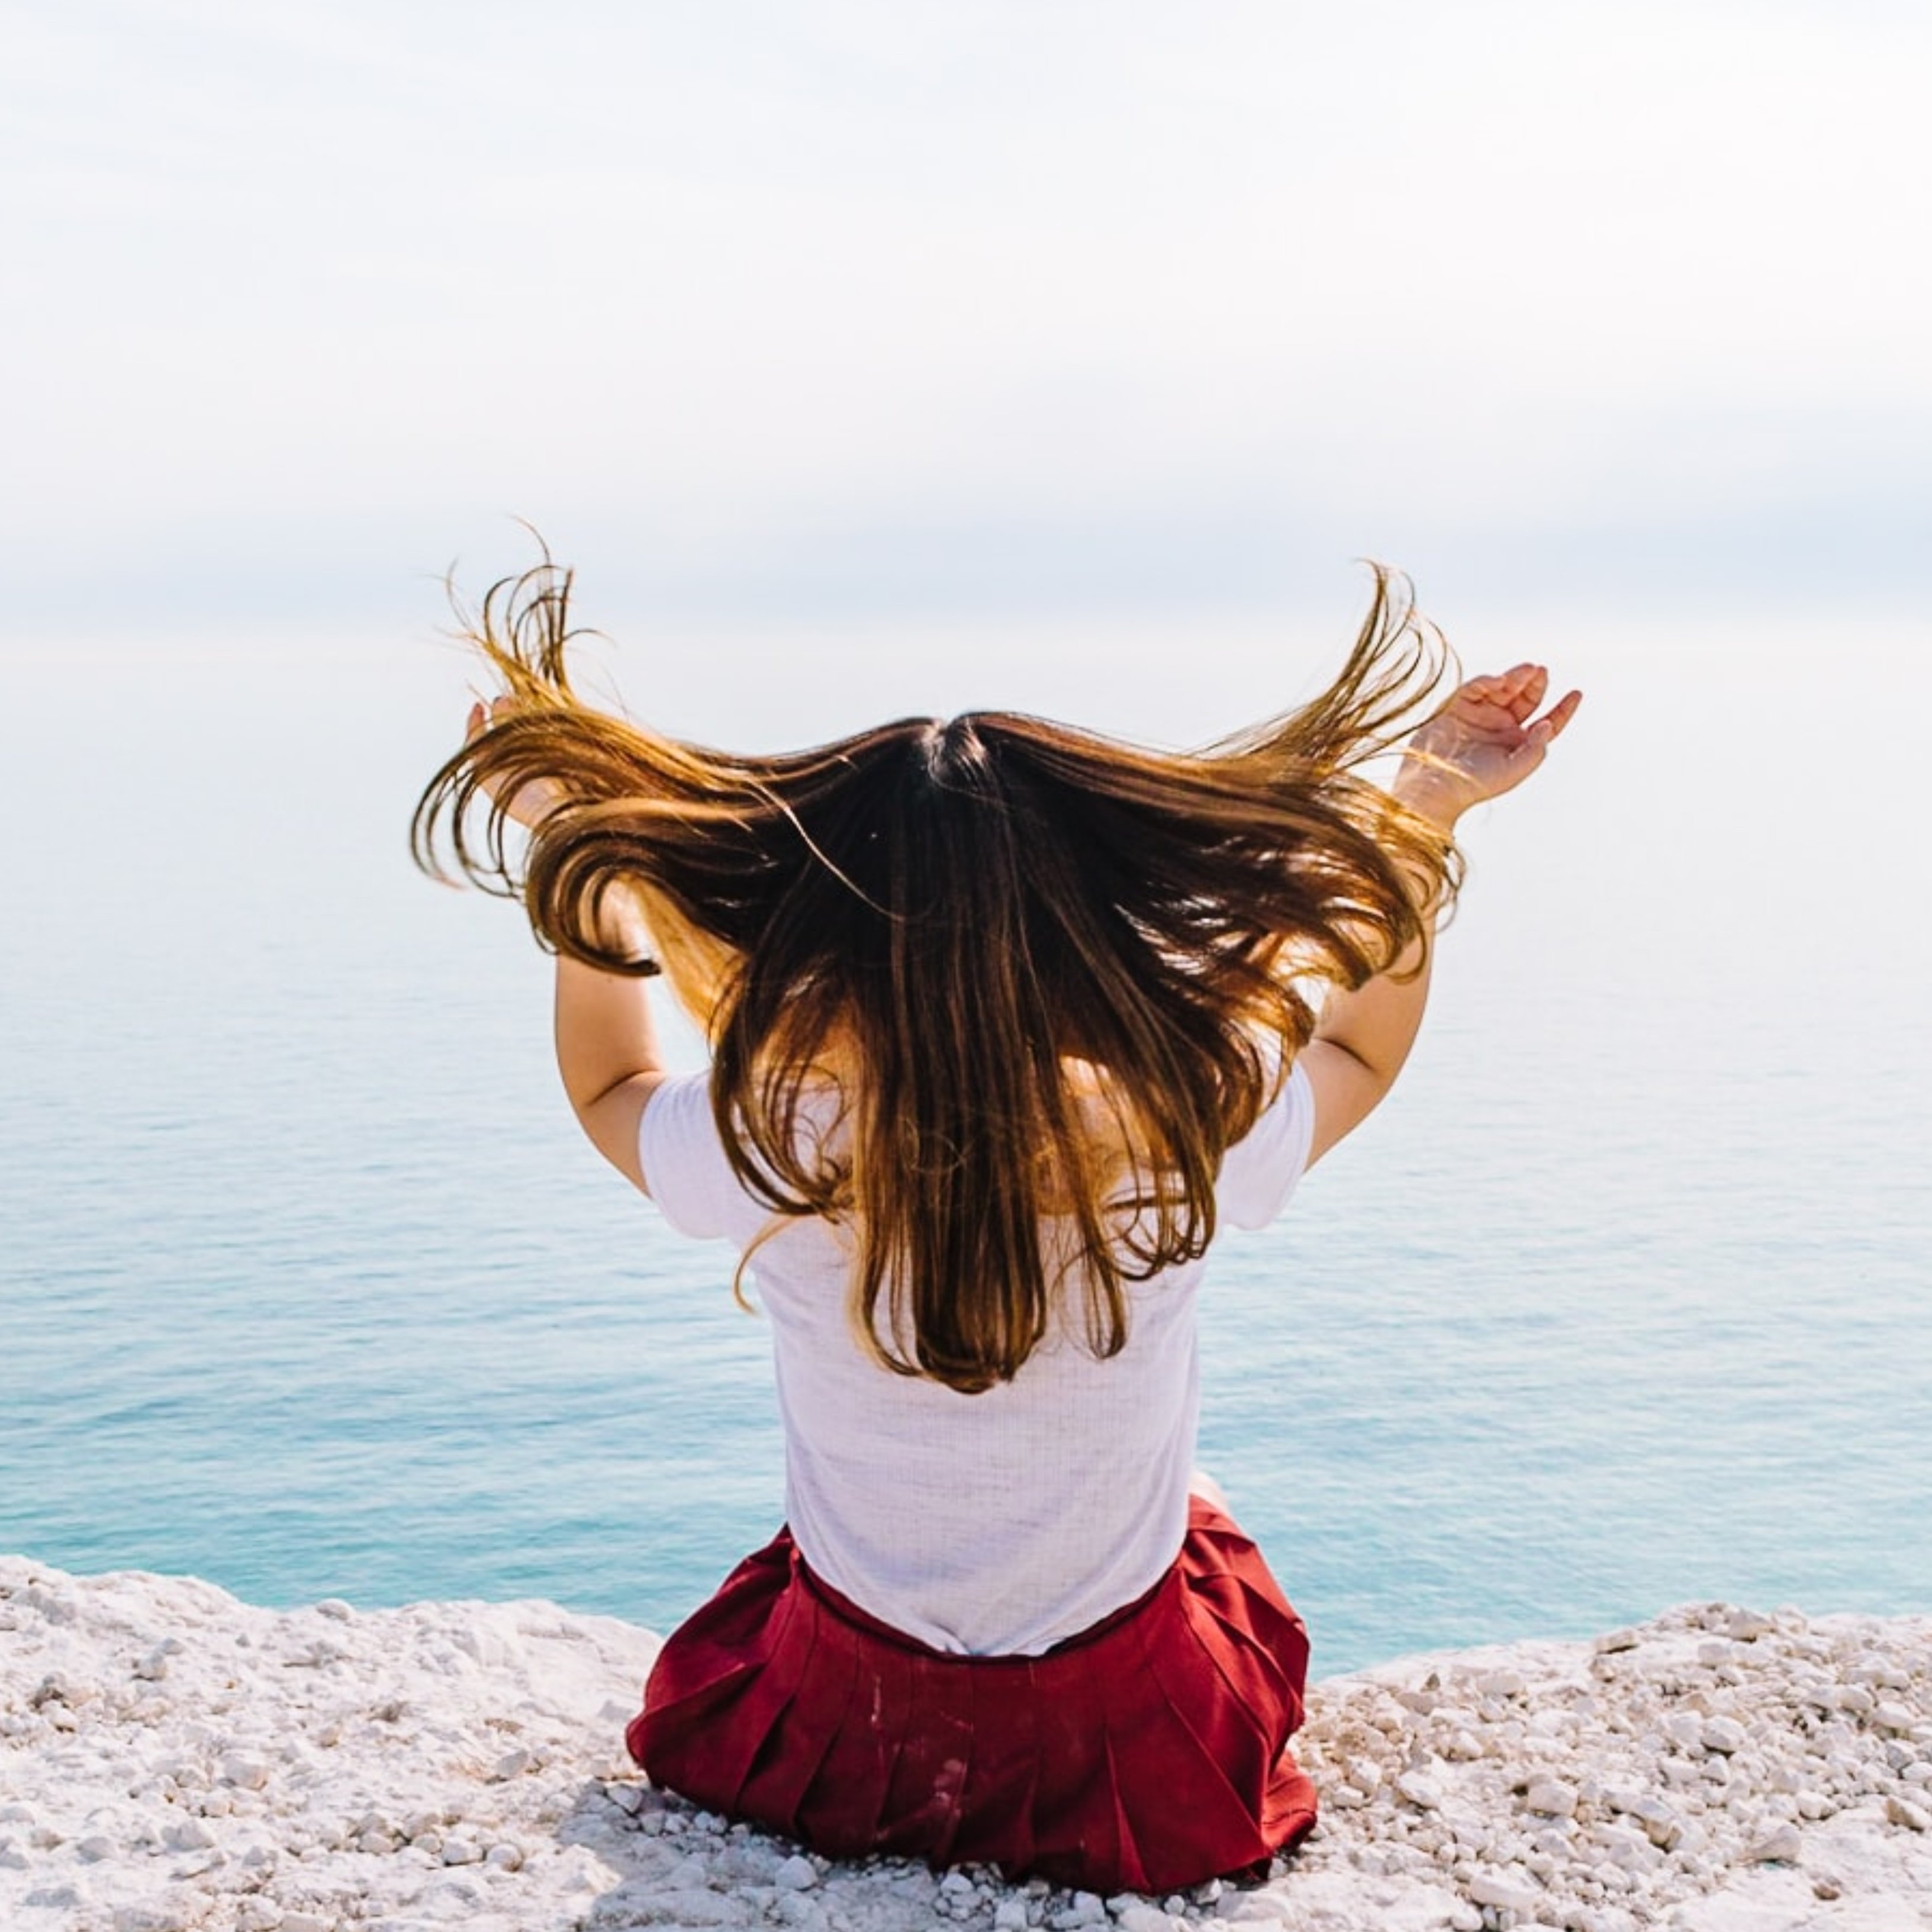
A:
(1147, 1753)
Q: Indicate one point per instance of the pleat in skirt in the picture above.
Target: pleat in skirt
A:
(1148, 1753)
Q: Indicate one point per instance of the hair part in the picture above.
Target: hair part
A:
(1044, 979)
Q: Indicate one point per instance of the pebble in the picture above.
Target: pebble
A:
(1499, 1889)
(1782, 1845)
(798, 1873)
(1552, 1797)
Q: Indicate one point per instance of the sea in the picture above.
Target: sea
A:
(308, 1285)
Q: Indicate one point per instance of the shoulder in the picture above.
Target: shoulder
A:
(1261, 1170)
(681, 1158)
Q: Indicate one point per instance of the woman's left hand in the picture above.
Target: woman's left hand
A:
(532, 802)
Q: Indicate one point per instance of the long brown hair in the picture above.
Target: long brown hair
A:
(1047, 974)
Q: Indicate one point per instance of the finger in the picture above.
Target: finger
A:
(1559, 714)
(1528, 682)
(1553, 721)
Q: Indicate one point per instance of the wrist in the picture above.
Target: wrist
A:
(1430, 794)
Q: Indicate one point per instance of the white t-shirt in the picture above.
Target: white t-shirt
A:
(992, 1524)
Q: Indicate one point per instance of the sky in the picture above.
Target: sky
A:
(860, 311)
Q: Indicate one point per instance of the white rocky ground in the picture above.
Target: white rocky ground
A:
(171, 1759)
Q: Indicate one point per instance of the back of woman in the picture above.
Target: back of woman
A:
(1006, 1020)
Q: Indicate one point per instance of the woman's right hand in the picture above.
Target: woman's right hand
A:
(1484, 742)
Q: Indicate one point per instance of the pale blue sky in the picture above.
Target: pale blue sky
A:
(835, 310)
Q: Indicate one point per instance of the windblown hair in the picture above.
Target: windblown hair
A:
(1044, 977)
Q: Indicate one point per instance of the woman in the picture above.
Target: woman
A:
(1006, 1019)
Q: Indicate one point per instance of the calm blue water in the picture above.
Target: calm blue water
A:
(310, 1288)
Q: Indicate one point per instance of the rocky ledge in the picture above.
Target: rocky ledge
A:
(171, 1760)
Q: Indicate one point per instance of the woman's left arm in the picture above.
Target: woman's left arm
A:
(606, 1040)
(606, 1051)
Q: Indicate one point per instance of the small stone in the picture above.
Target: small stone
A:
(798, 1873)
(1552, 1797)
(342, 1613)
(1010, 1916)
(1500, 1684)
(461, 1852)
(1892, 1716)
(1611, 1641)
(245, 1774)
(1421, 1792)
(1903, 1811)
(189, 1835)
(1779, 1846)
(303, 1921)
(1508, 1893)
(1744, 1626)
(1723, 1734)
(92, 1850)
(505, 1857)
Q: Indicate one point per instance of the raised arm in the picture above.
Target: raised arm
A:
(1485, 742)
(607, 1041)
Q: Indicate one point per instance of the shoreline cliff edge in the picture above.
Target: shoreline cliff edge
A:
(174, 1760)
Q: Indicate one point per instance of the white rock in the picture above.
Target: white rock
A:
(1903, 1811)
(1553, 1797)
(505, 1857)
(1500, 1889)
(1724, 1735)
(1781, 1846)
(1892, 1716)
(462, 1852)
(1611, 1641)
(1423, 1793)
(1010, 1916)
(797, 1873)
(244, 1773)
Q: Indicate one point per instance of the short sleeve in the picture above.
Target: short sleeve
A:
(685, 1169)
(1260, 1171)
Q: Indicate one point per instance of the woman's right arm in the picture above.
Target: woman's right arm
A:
(1484, 742)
